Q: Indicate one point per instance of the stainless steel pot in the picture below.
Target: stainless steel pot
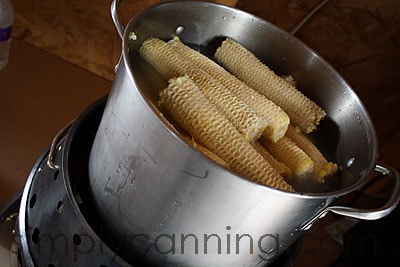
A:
(174, 206)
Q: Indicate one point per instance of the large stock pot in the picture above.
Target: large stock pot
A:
(170, 204)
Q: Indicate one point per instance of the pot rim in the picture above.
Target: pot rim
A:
(305, 195)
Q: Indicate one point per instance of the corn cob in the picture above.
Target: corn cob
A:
(208, 153)
(166, 60)
(199, 117)
(287, 152)
(290, 79)
(214, 157)
(246, 66)
(281, 168)
(322, 167)
(277, 119)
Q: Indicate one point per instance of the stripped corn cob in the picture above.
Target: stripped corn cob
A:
(287, 152)
(322, 167)
(211, 155)
(290, 79)
(166, 60)
(246, 66)
(214, 157)
(277, 119)
(281, 168)
(199, 117)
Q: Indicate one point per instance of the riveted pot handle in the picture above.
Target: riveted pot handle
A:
(365, 214)
(374, 214)
(54, 142)
(118, 25)
(114, 14)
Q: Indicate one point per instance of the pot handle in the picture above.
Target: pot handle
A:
(53, 146)
(366, 214)
(374, 214)
(118, 25)
(114, 15)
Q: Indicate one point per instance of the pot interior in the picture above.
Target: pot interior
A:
(346, 136)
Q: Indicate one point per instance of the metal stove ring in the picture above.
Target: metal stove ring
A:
(51, 229)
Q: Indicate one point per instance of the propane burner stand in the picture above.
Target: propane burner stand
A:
(57, 225)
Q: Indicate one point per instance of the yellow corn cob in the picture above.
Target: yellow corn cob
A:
(322, 167)
(190, 140)
(281, 168)
(287, 152)
(166, 60)
(276, 117)
(290, 79)
(199, 117)
(246, 66)
(211, 155)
